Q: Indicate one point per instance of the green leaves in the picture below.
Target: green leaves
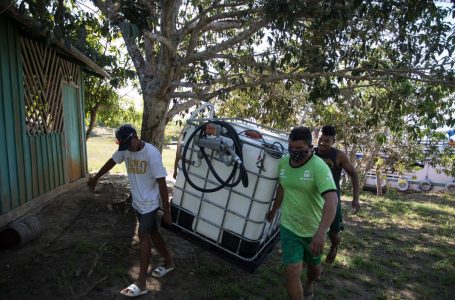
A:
(130, 30)
(381, 138)
(322, 89)
(276, 105)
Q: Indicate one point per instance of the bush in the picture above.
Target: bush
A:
(172, 132)
(126, 113)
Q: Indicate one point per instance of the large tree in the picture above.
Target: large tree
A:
(91, 34)
(73, 22)
(274, 105)
(189, 51)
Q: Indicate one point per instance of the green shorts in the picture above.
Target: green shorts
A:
(337, 224)
(296, 248)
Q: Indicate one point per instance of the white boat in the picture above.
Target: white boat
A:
(427, 178)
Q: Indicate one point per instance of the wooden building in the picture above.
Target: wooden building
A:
(42, 144)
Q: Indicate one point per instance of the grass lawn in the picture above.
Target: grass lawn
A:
(400, 246)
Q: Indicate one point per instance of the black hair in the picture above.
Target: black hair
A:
(301, 133)
(328, 130)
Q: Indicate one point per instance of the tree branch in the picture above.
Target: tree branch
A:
(239, 60)
(135, 53)
(204, 95)
(374, 81)
(175, 109)
(161, 39)
(150, 55)
(210, 51)
(301, 77)
(221, 25)
(169, 14)
(201, 19)
(111, 10)
(196, 29)
(166, 68)
(196, 84)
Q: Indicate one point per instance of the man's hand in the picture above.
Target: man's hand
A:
(92, 184)
(92, 181)
(167, 218)
(317, 244)
(355, 204)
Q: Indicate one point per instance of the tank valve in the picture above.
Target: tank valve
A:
(222, 145)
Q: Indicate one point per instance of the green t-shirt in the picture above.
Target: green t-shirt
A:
(304, 188)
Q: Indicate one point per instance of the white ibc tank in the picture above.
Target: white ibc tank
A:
(230, 213)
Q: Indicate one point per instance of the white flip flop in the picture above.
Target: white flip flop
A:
(161, 271)
(133, 291)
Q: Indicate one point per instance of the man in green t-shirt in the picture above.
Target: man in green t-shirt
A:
(307, 196)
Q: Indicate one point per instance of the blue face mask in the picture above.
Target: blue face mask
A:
(297, 155)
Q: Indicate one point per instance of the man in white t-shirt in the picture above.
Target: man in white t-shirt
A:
(147, 177)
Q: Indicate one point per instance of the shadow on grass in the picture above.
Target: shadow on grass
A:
(439, 198)
(396, 248)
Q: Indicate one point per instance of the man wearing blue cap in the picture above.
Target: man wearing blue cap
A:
(147, 177)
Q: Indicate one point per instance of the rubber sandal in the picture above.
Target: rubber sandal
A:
(161, 271)
(133, 291)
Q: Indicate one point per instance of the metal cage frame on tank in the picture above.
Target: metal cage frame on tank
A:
(212, 219)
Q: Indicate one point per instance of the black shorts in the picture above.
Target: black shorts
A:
(147, 222)
(337, 224)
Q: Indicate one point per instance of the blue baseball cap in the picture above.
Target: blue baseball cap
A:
(124, 135)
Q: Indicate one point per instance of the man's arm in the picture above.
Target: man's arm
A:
(328, 214)
(349, 168)
(176, 163)
(178, 153)
(164, 195)
(104, 169)
(277, 204)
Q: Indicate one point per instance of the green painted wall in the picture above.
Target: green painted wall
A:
(13, 173)
(30, 166)
(72, 108)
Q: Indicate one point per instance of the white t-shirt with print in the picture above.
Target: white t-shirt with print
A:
(143, 168)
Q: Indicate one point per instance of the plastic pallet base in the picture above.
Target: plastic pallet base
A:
(249, 266)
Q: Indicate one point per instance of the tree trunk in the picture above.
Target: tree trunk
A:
(92, 112)
(378, 182)
(154, 120)
(365, 164)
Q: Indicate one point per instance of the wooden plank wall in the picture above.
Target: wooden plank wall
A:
(13, 172)
(32, 144)
(84, 130)
(47, 162)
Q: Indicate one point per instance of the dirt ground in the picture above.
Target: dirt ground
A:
(88, 250)
(397, 248)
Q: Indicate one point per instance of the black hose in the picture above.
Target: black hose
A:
(231, 133)
(238, 150)
(273, 146)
